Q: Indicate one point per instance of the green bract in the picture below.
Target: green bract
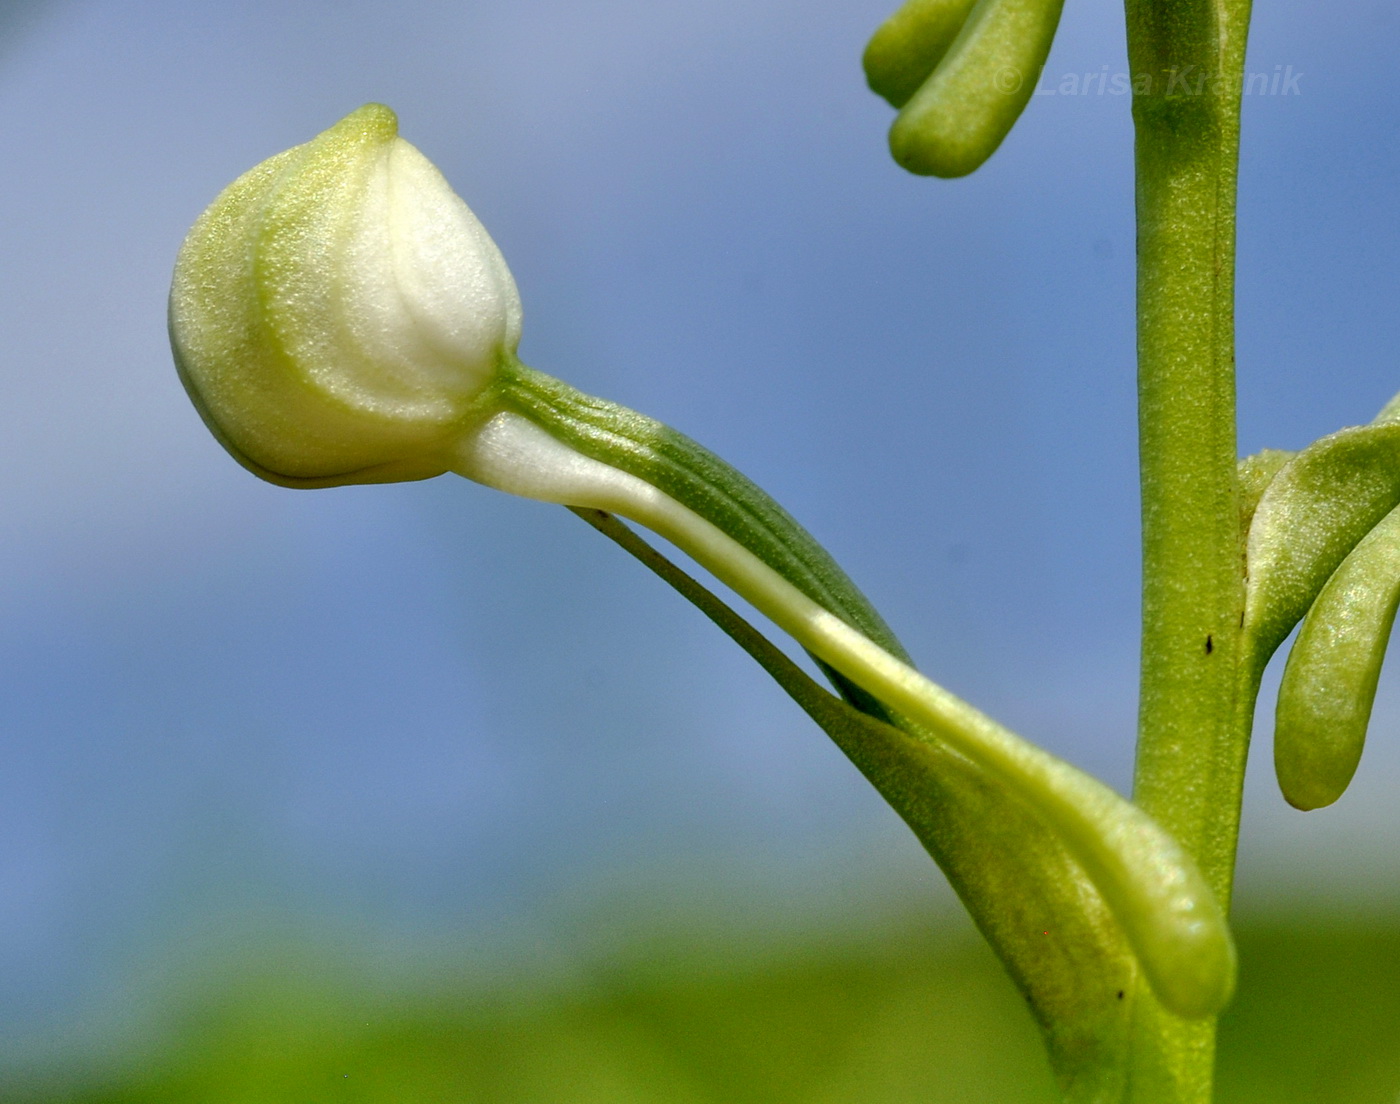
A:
(337, 314)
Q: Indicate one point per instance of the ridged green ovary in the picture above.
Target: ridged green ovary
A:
(1153, 890)
(973, 85)
(1329, 683)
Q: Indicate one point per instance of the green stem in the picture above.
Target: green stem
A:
(1187, 59)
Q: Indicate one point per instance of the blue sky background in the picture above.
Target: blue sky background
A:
(429, 717)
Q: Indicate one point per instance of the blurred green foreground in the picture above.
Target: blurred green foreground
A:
(899, 1017)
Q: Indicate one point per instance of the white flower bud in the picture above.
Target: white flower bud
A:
(338, 314)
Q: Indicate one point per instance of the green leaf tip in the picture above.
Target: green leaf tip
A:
(961, 73)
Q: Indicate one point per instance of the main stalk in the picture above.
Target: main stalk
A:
(1187, 59)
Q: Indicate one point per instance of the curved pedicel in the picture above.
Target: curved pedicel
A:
(584, 455)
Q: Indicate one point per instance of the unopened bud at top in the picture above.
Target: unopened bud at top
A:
(338, 314)
(960, 72)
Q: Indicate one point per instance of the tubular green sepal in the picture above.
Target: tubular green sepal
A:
(1329, 683)
(967, 106)
(907, 46)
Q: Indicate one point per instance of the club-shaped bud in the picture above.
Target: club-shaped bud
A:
(338, 315)
(960, 72)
